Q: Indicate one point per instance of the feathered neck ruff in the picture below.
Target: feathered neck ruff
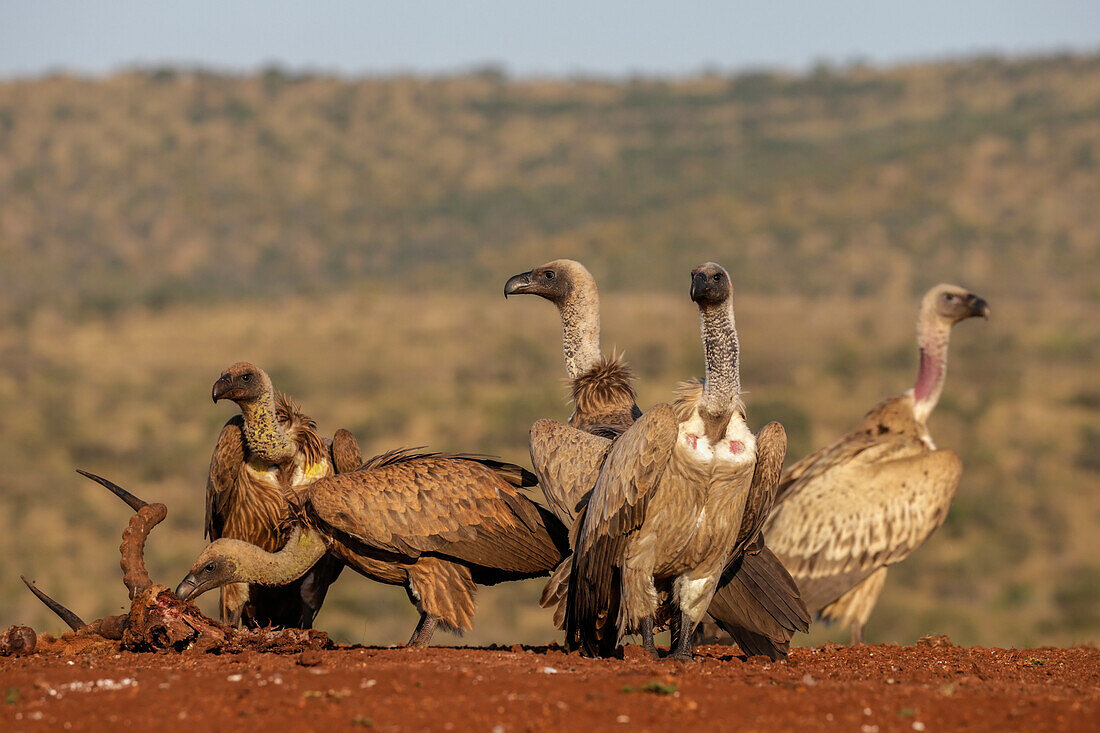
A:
(608, 382)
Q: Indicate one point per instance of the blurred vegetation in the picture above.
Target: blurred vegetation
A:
(353, 237)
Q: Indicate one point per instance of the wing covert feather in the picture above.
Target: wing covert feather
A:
(771, 449)
(452, 506)
(567, 462)
(860, 514)
(225, 467)
(346, 456)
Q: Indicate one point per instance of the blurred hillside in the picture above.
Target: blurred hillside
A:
(353, 238)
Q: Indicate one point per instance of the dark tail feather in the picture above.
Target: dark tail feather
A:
(592, 614)
(131, 501)
(75, 622)
(757, 603)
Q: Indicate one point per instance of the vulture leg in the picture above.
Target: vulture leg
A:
(682, 628)
(647, 637)
(422, 635)
(857, 633)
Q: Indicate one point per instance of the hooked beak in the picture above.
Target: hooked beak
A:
(517, 284)
(698, 285)
(223, 385)
(188, 588)
(977, 306)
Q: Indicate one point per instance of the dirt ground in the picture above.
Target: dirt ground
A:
(866, 689)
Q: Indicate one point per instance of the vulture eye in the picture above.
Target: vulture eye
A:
(549, 274)
(949, 297)
(246, 378)
(210, 567)
(717, 277)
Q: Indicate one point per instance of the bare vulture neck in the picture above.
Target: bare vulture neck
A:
(301, 552)
(722, 387)
(580, 322)
(266, 437)
(933, 335)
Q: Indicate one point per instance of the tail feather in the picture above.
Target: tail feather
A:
(759, 606)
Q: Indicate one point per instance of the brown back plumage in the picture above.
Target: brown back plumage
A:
(467, 509)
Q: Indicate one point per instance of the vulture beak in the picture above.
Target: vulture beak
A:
(221, 387)
(517, 284)
(977, 306)
(188, 588)
(698, 285)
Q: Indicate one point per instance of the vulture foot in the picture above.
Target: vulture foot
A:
(422, 635)
(647, 638)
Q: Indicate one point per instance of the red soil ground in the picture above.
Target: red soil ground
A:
(866, 689)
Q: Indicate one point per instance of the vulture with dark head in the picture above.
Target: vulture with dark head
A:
(437, 524)
(848, 511)
(679, 500)
(263, 456)
(756, 603)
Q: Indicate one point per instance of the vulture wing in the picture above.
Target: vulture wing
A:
(225, 467)
(346, 456)
(463, 507)
(846, 519)
(567, 462)
(771, 449)
(616, 509)
(758, 603)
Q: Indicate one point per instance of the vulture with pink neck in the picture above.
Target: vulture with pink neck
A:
(846, 512)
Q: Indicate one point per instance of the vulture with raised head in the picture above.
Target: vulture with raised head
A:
(846, 512)
(437, 524)
(757, 602)
(678, 500)
(262, 457)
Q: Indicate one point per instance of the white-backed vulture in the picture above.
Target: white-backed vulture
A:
(604, 401)
(848, 511)
(757, 602)
(262, 456)
(679, 498)
(436, 524)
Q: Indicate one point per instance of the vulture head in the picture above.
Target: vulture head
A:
(952, 304)
(241, 382)
(214, 568)
(710, 285)
(556, 281)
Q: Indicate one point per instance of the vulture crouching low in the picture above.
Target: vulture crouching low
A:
(437, 524)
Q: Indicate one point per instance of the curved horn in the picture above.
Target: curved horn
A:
(75, 622)
(131, 501)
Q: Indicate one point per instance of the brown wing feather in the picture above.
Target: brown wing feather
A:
(771, 449)
(346, 456)
(616, 509)
(225, 467)
(454, 506)
(567, 462)
(843, 520)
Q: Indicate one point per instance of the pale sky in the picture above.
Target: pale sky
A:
(565, 37)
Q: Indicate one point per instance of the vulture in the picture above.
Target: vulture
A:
(262, 456)
(846, 512)
(757, 602)
(437, 524)
(678, 500)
